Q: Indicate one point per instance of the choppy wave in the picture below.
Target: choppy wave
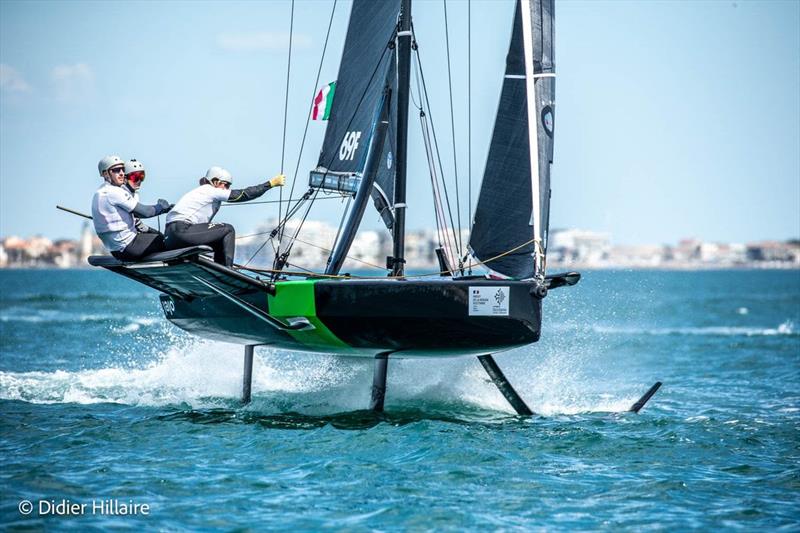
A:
(785, 328)
(40, 297)
(205, 374)
(47, 316)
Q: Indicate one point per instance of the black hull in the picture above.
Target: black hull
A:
(366, 317)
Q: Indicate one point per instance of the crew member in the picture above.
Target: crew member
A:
(134, 177)
(113, 210)
(189, 222)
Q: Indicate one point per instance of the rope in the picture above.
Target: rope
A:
(452, 127)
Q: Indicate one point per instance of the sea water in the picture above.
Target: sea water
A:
(107, 410)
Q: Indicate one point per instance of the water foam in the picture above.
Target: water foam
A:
(206, 374)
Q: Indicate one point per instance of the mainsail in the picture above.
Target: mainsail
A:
(512, 216)
(368, 66)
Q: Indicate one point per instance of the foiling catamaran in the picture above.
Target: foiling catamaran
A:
(363, 157)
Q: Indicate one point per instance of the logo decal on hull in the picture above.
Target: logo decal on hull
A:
(488, 301)
(168, 306)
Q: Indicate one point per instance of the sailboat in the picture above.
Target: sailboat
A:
(364, 158)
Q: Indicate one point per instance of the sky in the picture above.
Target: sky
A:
(674, 119)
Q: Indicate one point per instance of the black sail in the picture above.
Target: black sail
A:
(368, 65)
(513, 206)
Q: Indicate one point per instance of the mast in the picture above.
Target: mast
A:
(533, 141)
(397, 261)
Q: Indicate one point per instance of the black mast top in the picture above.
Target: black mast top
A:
(397, 261)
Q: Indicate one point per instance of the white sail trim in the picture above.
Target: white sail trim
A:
(527, 40)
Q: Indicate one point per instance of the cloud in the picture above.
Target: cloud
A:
(72, 81)
(12, 81)
(262, 40)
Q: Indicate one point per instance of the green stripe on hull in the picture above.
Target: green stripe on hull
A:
(296, 299)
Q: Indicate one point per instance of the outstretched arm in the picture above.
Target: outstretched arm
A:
(251, 193)
(147, 211)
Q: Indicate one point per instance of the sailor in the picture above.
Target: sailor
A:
(134, 177)
(113, 210)
(189, 222)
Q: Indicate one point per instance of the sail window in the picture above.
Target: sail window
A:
(334, 182)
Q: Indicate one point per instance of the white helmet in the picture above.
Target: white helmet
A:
(219, 173)
(108, 162)
(133, 166)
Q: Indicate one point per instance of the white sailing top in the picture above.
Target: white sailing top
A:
(112, 217)
(199, 205)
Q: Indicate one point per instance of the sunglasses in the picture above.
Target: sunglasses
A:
(116, 169)
(136, 177)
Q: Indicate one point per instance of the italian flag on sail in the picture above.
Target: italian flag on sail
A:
(323, 102)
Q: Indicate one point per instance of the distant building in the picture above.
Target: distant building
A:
(311, 248)
(640, 256)
(86, 244)
(576, 246)
(774, 252)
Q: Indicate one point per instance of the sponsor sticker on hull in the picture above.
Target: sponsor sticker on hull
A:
(489, 301)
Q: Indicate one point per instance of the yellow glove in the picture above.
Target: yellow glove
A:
(277, 181)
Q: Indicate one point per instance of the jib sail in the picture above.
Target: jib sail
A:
(512, 216)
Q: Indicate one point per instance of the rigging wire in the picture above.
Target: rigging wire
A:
(452, 127)
(272, 233)
(367, 263)
(433, 130)
(285, 111)
(469, 117)
(442, 229)
(311, 105)
(441, 222)
(350, 121)
(425, 275)
(281, 259)
(293, 209)
(288, 200)
(339, 229)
